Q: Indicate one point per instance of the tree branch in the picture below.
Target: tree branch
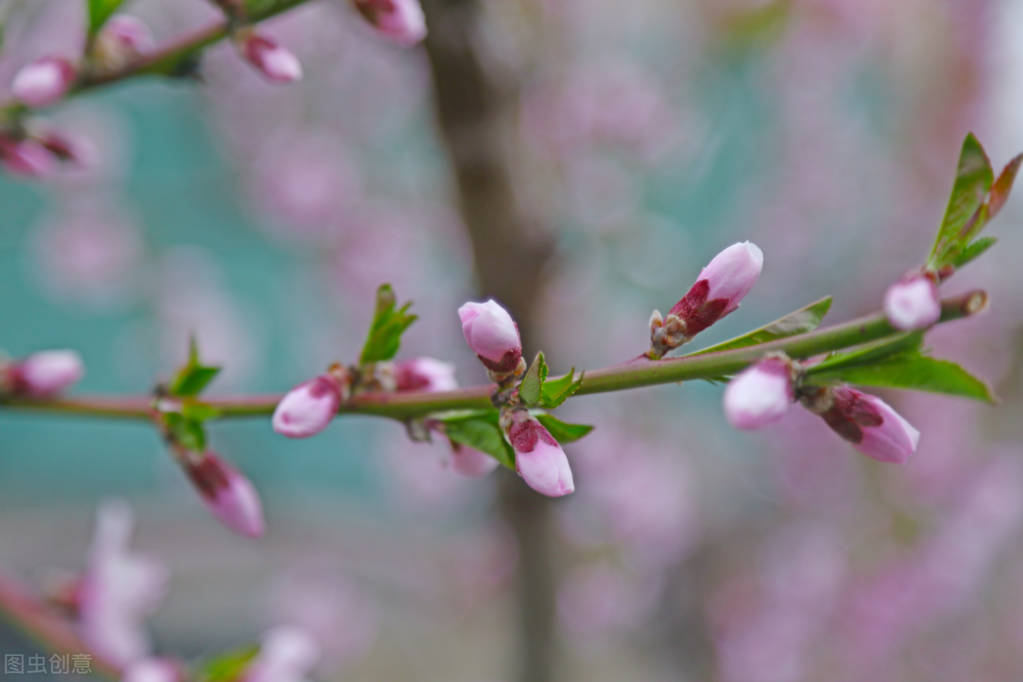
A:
(633, 374)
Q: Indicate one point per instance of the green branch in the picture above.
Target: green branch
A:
(634, 374)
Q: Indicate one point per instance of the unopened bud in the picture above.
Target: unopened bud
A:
(43, 81)
(308, 408)
(912, 303)
(866, 421)
(493, 335)
(27, 158)
(276, 63)
(122, 39)
(45, 373)
(721, 285)
(424, 374)
(401, 21)
(539, 458)
(760, 394)
(226, 492)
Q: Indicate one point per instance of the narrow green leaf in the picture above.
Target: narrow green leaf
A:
(389, 323)
(100, 11)
(531, 388)
(806, 319)
(563, 432)
(194, 376)
(1003, 185)
(912, 370)
(972, 250)
(191, 380)
(868, 353)
(481, 431)
(973, 180)
(228, 667)
(557, 391)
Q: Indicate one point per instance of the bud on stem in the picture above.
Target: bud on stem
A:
(493, 335)
(43, 82)
(539, 458)
(866, 421)
(717, 291)
(225, 491)
(308, 408)
(760, 394)
(912, 302)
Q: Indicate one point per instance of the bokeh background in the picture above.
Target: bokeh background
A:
(581, 160)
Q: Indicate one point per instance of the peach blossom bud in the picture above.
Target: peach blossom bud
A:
(721, 285)
(276, 63)
(871, 425)
(46, 373)
(760, 394)
(424, 374)
(401, 21)
(539, 458)
(287, 654)
(308, 408)
(122, 39)
(471, 462)
(43, 82)
(912, 303)
(27, 158)
(227, 493)
(492, 334)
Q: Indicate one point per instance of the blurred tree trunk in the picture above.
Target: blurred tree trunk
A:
(474, 109)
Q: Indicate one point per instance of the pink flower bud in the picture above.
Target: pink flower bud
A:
(276, 63)
(122, 39)
(912, 303)
(759, 395)
(227, 493)
(471, 462)
(424, 374)
(721, 285)
(871, 425)
(27, 158)
(287, 654)
(492, 334)
(46, 373)
(401, 21)
(43, 81)
(153, 670)
(539, 458)
(308, 408)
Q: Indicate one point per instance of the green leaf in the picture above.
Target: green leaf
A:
(973, 180)
(189, 433)
(972, 250)
(1003, 185)
(806, 319)
(482, 431)
(531, 388)
(563, 432)
(228, 667)
(910, 369)
(557, 391)
(389, 323)
(100, 11)
(194, 376)
(868, 353)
